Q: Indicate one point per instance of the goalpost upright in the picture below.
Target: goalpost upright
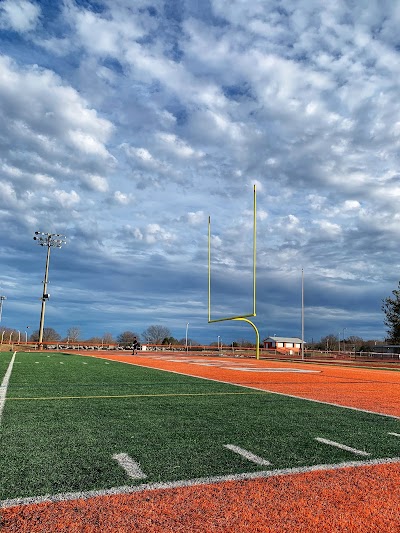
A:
(244, 317)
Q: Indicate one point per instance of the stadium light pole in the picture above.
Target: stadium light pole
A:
(2, 298)
(344, 329)
(51, 240)
(186, 338)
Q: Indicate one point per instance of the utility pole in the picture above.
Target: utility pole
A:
(51, 240)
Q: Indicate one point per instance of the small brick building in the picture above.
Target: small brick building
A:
(290, 345)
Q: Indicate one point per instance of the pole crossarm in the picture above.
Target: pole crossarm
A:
(230, 318)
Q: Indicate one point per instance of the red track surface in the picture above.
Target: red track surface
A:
(364, 499)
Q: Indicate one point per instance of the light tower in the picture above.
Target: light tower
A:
(51, 240)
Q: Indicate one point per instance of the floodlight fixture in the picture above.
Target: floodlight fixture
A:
(49, 240)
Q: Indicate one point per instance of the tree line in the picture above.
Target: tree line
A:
(155, 334)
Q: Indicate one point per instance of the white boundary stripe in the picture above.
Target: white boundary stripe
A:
(342, 446)
(116, 491)
(394, 434)
(252, 388)
(131, 467)
(281, 370)
(4, 385)
(248, 455)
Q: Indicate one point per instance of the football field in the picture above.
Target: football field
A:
(80, 428)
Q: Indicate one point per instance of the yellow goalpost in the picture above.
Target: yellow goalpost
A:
(244, 317)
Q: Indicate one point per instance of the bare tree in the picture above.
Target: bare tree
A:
(108, 338)
(127, 337)
(74, 333)
(330, 342)
(244, 343)
(49, 334)
(95, 340)
(155, 334)
(8, 333)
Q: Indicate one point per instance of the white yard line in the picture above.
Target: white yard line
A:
(131, 467)
(67, 496)
(394, 434)
(4, 385)
(342, 446)
(247, 455)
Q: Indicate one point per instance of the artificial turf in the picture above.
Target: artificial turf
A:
(67, 415)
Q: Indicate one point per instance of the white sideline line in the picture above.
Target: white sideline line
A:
(394, 434)
(131, 467)
(4, 385)
(342, 446)
(116, 491)
(248, 455)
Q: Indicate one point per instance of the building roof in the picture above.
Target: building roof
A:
(284, 339)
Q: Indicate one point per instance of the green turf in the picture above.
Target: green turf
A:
(5, 358)
(175, 426)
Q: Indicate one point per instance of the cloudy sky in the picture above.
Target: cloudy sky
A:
(125, 124)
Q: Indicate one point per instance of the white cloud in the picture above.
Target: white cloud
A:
(8, 198)
(178, 146)
(154, 233)
(351, 205)
(262, 214)
(121, 198)
(67, 199)
(46, 124)
(88, 144)
(95, 182)
(101, 35)
(196, 218)
(43, 180)
(19, 15)
(330, 229)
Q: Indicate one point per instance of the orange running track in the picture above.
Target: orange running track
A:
(364, 499)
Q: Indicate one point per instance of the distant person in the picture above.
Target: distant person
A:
(135, 345)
